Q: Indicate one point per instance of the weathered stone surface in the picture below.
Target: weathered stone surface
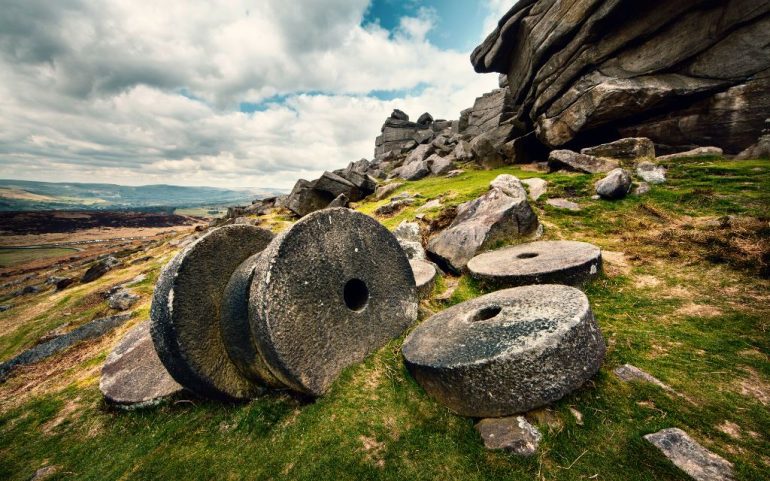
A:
(588, 164)
(699, 152)
(326, 293)
(186, 317)
(398, 135)
(425, 119)
(399, 115)
(512, 434)
(488, 112)
(122, 299)
(454, 173)
(641, 189)
(627, 373)
(132, 376)
(90, 330)
(420, 153)
(462, 151)
(651, 173)
(415, 171)
(689, 456)
(494, 216)
(393, 206)
(387, 189)
(632, 149)
(304, 199)
(341, 201)
(485, 152)
(586, 71)
(544, 262)
(537, 187)
(424, 276)
(64, 282)
(409, 237)
(100, 268)
(506, 352)
(616, 185)
(440, 165)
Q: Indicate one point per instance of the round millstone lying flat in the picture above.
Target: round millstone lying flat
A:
(133, 377)
(507, 352)
(186, 317)
(544, 262)
(327, 292)
(424, 276)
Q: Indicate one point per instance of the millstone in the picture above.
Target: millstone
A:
(507, 352)
(327, 292)
(424, 276)
(544, 262)
(133, 377)
(186, 317)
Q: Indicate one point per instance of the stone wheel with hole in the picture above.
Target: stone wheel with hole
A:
(185, 312)
(326, 293)
(544, 262)
(507, 352)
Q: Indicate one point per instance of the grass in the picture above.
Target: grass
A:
(697, 321)
(14, 256)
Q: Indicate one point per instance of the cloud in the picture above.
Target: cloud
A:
(144, 92)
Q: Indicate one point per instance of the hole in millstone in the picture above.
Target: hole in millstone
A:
(527, 255)
(356, 294)
(486, 313)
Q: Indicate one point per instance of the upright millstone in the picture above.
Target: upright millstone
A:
(507, 352)
(545, 262)
(186, 316)
(326, 293)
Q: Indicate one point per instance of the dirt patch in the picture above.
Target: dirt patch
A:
(731, 429)
(374, 450)
(615, 263)
(69, 411)
(755, 386)
(645, 282)
(698, 310)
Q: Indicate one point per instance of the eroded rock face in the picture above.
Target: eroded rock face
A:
(399, 134)
(593, 70)
(572, 161)
(631, 149)
(507, 352)
(501, 213)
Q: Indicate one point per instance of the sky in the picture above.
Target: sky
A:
(228, 93)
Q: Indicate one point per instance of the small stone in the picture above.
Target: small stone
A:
(572, 161)
(641, 189)
(454, 173)
(627, 373)
(340, 201)
(699, 152)
(425, 119)
(615, 185)
(410, 239)
(133, 377)
(577, 415)
(689, 456)
(649, 172)
(563, 204)
(99, 269)
(537, 187)
(544, 262)
(512, 434)
(387, 189)
(431, 204)
(394, 206)
(424, 276)
(64, 283)
(122, 299)
(507, 352)
(5, 307)
(44, 473)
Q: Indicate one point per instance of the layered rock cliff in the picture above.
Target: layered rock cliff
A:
(580, 72)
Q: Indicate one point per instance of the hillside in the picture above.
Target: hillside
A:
(683, 296)
(28, 195)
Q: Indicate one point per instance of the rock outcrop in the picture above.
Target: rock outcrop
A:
(400, 135)
(582, 72)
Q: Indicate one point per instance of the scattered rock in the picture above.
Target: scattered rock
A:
(424, 276)
(485, 152)
(487, 357)
(341, 201)
(325, 294)
(572, 161)
(440, 165)
(544, 262)
(5, 307)
(185, 312)
(133, 377)
(425, 119)
(488, 114)
(760, 150)
(431, 204)
(512, 434)
(462, 151)
(631, 149)
(563, 204)
(394, 206)
(90, 330)
(641, 189)
(454, 173)
(415, 170)
(649, 172)
(123, 299)
(689, 456)
(64, 282)
(615, 185)
(494, 216)
(409, 237)
(387, 189)
(699, 152)
(537, 187)
(99, 269)
(44, 473)
(627, 373)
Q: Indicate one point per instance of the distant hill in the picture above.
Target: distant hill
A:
(16, 195)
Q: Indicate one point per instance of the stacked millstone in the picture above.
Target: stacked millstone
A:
(238, 312)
